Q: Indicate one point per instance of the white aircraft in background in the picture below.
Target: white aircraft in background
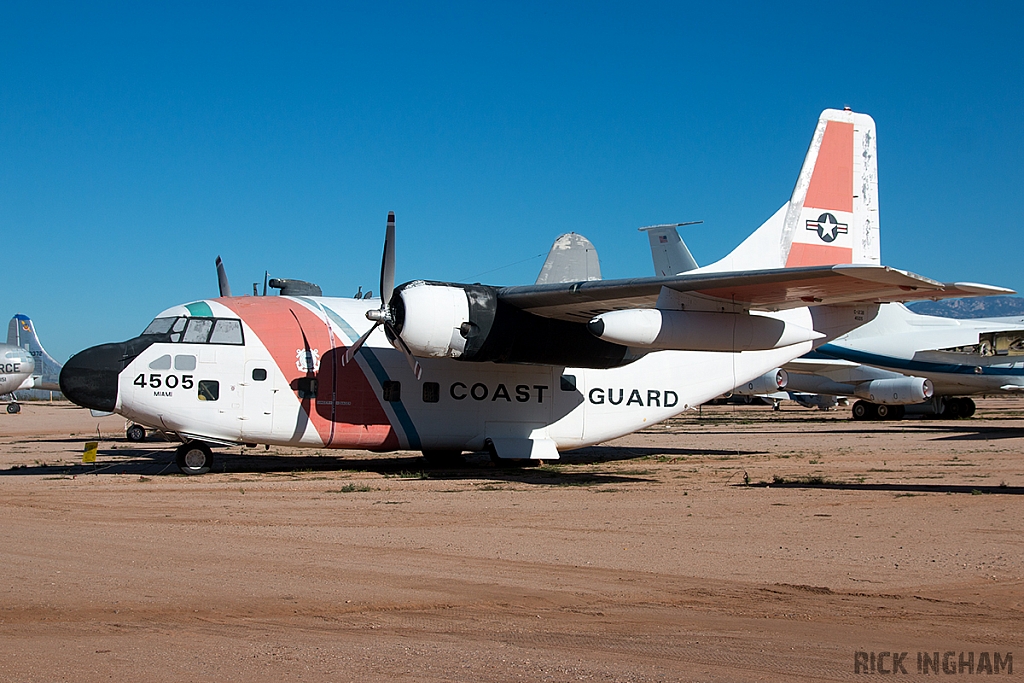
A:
(24, 363)
(522, 372)
(902, 358)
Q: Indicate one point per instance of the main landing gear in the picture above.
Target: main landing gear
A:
(947, 408)
(194, 457)
(13, 408)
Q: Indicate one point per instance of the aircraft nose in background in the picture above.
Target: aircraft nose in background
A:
(89, 378)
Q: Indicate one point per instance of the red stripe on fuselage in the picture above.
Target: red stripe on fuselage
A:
(346, 413)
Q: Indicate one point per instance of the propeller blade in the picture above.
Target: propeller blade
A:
(350, 352)
(387, 265)
(404, 348)
(222, 278)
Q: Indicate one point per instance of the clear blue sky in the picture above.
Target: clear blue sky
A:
(140, 140)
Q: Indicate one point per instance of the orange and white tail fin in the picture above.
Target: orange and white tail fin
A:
(832, 216)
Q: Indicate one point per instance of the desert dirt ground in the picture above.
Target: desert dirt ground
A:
(735, 544)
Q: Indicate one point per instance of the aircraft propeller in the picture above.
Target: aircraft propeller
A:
(222, 278)
(383, 315)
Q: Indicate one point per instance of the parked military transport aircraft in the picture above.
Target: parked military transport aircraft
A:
(524, 371)
(24, 363)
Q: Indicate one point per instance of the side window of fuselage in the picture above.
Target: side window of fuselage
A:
(209, 390)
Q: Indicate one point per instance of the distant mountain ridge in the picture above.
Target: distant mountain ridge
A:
(980, 307)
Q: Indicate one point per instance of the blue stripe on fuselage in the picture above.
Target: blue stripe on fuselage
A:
(378, 371)
(915, 366)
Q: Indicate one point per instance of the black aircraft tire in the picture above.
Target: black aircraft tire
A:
(449, 458)
(969, 407)
(862, 410)
(194, 457)
(13, 408)
(953, 409)
(897, 412)
(135, 433)
(884, 412)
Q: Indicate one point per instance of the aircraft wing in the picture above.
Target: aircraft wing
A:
(764, 290)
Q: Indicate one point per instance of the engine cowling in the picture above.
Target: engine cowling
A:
(471, 323)
(903, 391)
(768, 383)
(430, 318)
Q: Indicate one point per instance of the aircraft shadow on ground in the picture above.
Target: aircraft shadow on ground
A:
(144, 460)
(944, 430)
(897, 488)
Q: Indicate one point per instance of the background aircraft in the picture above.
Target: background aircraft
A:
(24, 363)
(903, 358)
(525, 371)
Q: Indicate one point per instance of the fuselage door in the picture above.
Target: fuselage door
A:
(258, 389)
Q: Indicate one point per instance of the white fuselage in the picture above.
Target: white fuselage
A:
(264, 395)
(16, 367)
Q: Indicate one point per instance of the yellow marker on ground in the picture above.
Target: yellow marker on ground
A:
(90, 452)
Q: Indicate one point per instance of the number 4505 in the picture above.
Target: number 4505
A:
(156, 380)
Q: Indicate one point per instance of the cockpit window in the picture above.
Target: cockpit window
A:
(227, 331)
(159, 326)
(161, 363)
(198, 331)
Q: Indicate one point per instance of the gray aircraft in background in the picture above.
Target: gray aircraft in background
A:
(24, 363)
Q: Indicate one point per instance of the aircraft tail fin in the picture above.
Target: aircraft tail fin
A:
(573, 258)
(22, 332)
(668, 251)
(832, 216)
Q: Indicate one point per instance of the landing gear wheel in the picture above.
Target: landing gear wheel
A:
(194, 457)
(13, 408)
(450, 458)
(953, 409)
(897, 412)
(862, 410)
(883, 412)
(135, 433)
(969, 407)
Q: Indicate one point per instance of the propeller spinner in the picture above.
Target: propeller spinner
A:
(383, 315)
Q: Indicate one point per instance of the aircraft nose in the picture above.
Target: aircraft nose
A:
(89, 378)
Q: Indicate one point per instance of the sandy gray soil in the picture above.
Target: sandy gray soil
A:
(646, 559)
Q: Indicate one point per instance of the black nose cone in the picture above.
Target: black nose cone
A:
(89, 378)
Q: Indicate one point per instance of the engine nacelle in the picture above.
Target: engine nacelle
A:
(431, 319)
(470, 323)
(893, 392)
(654, 328)
(768, 383)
